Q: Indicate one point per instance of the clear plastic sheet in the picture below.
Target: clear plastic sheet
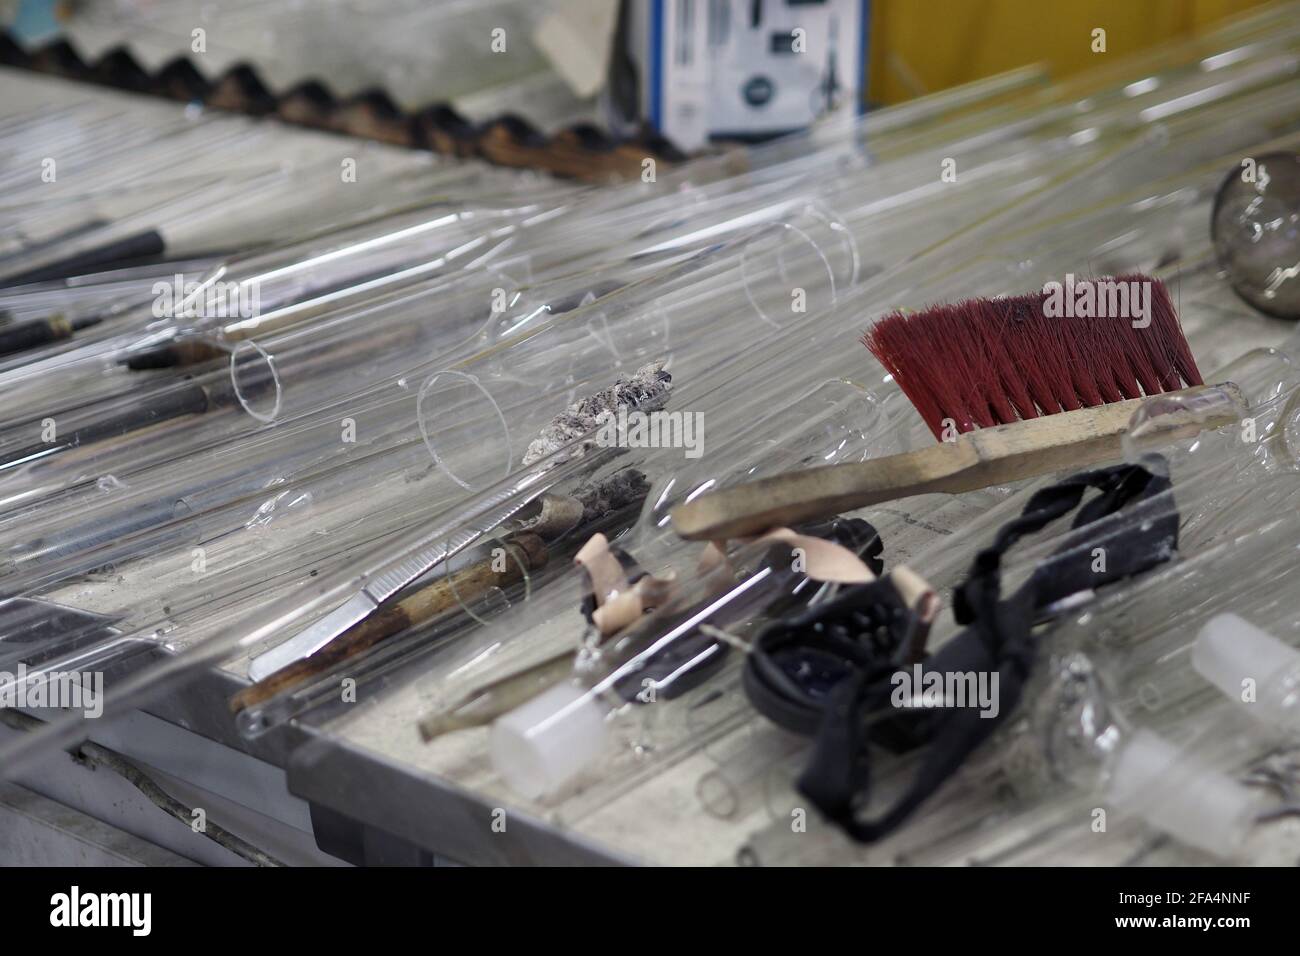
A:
(1098, 176)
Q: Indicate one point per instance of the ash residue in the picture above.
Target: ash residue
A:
(589, 502)
(619, 490)
(645, 391)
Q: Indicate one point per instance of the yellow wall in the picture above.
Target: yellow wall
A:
(921, 46)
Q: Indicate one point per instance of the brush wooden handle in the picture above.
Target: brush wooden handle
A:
(978, 459)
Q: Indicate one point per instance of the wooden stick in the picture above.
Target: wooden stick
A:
(528, 554)
(978, 459)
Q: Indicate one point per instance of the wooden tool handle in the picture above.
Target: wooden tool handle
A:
(978, 459)
(528, 554)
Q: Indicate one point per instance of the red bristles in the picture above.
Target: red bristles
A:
(987, 362)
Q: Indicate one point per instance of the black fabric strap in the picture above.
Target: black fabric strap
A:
(998, 639)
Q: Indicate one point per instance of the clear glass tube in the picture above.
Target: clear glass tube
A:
(810, 344)
(850, 309)
(513, 352)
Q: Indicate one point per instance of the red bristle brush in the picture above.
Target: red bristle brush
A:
(987, 362)
(1011, 392)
